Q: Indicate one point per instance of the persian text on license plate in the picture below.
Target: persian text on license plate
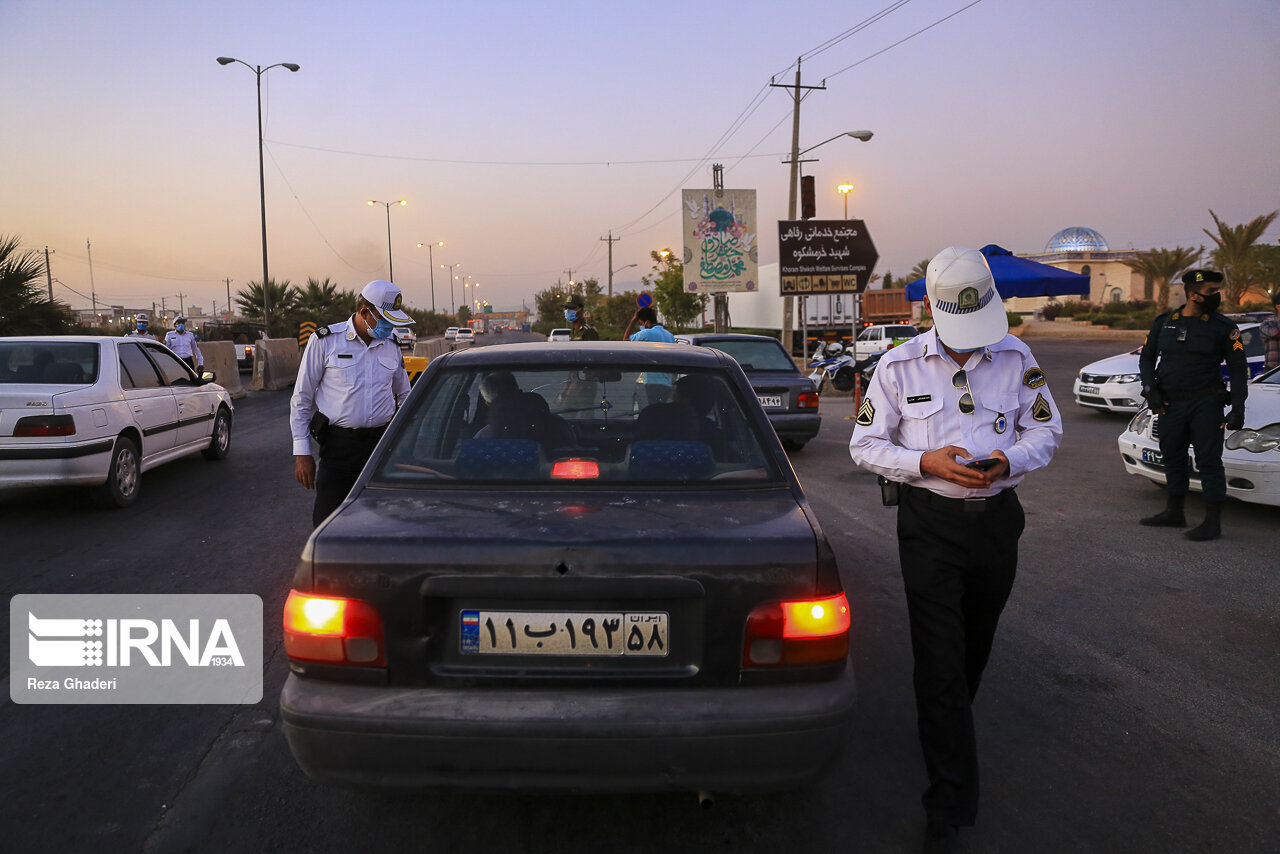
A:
(565, 633)
(1153, 457)
(1088, 389)
(768, 400)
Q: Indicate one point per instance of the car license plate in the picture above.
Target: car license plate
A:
(770, 400)
(1153, 457)
(1088, 389)
(578, 633)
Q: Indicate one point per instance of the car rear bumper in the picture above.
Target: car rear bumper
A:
(603, 740)
(799, 427)
(83, 463)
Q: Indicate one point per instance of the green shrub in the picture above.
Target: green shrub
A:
(1257, 305)
(1075, 308)
(1015, 319)
(1051, 311)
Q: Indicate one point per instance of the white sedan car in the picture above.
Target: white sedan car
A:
(1113, 384)
(99, 411)
(1251, 456)
(451, 333)
(559, 334)
(464, 336)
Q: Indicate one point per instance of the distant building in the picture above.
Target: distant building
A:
(1083, 250)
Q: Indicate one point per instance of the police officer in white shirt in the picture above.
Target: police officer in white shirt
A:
(956, 417)
(142, 323)
(183, 343)
(351, 381)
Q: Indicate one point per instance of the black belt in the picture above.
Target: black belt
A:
(960, 505)
(358, 432)
(1193, 394)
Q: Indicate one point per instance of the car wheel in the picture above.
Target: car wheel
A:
(793, 445)
(220, 441)
(124, 476)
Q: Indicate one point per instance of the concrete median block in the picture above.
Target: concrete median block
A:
(431, 349)
(220, 357)
(275, 364)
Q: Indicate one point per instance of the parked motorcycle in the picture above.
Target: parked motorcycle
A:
(836, 363)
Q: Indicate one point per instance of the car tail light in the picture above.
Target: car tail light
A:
(807, 631)
(45, 425)
(576, 469)
(807, 400)
(332, 629)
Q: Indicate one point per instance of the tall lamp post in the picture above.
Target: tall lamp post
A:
(391, 272)
(258, 71)
(794, 161)
(431, 263)
(845, 190)
(453, 307)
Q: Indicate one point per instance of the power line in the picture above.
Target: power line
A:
(906, 39)
(303, 208)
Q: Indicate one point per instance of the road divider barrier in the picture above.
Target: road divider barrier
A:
(220, 357)
(431, 349)
(275, 364)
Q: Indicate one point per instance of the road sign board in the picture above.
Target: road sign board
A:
(825, 256)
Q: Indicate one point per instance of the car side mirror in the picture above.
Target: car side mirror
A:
(208, 377)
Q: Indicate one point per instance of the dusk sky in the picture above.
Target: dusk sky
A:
(521, 133)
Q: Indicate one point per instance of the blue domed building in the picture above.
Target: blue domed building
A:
(1084, 250)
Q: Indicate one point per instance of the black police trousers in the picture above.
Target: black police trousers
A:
(342, 458)
(958, 569)
(1194, 424)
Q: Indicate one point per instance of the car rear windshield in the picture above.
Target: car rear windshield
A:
(757, 355)
(576, 427)
(49, 362)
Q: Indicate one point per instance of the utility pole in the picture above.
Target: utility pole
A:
(611, 240)
(182, 305)
(788, 308)
(93, 294)
(48, 276)
(569, 273)
(228, 299)
(163, 310)
(720, 310)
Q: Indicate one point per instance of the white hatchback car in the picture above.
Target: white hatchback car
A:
(559, 335)
(1113, 384)
(100, 411)
(1251, 456)
(464, 336)
(451, 333)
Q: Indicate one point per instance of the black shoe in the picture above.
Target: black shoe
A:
(1210, 528)
(1166, 519)
(941, 837)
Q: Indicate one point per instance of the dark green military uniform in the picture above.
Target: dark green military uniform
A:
(582, 332)
(1190, 349)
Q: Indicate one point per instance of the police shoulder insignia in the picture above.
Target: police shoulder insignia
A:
(1235, 334)
(1040, 410)
(1033, 378)
(323, 331)
(1238, 345)
(866, 413)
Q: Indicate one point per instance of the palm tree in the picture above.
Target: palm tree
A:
(24, 310)
(1162, 266)
(282, 298)
(1232, 257)
(919, 270)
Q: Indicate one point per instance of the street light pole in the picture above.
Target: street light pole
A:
(258, 71)
(391, 272)
(453, 308)
(431, 263)
(845, 190)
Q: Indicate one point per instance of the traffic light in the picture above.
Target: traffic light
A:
(808, 207)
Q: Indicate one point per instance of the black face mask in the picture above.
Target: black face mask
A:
(1209, 302)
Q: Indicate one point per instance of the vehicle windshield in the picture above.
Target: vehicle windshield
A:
(757, 355)
(49, 362)
(574, 427)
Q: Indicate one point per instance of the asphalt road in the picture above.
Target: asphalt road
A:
(1130, 705)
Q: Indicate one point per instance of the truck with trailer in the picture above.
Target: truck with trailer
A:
(822, 317)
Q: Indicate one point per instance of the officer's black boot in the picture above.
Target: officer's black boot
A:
(1211, 527)
(1171, 517)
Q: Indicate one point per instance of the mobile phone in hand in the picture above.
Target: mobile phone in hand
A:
(983, 465)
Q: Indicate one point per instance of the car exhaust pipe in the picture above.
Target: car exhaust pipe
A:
(706, 800)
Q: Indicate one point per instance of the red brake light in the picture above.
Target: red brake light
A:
(575, 469)
(807, 400)
(45, 425)
(332, 629)
(808, 631)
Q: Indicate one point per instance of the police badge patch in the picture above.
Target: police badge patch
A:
(1033, 378)
(1040, 410)
(866, 413)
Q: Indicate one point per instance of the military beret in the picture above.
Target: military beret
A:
(1200, 276)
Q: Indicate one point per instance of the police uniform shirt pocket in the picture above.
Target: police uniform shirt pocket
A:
(914, 425)
(341, 373)
(388, 357)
